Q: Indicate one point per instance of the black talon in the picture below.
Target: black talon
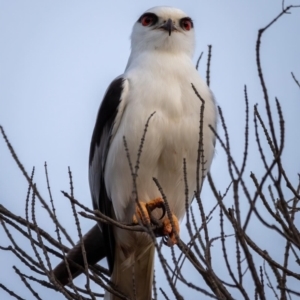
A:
(165, 240)
(154, 220)
(163, 207)
(158, 230)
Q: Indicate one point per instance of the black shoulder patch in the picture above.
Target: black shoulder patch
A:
(106, 114)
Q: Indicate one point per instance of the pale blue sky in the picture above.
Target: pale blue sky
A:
(58, 57)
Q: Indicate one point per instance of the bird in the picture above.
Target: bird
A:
(159, 102)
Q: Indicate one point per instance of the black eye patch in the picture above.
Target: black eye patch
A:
(186, 20)
(150, 18)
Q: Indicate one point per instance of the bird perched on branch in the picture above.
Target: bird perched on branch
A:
(157, 113)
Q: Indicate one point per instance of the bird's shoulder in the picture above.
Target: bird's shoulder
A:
(106, 114)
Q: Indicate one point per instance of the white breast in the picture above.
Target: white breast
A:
(160, 84)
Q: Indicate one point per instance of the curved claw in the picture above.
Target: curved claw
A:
(163, 211)
(156, 203)
(165, 228)
(165, 240)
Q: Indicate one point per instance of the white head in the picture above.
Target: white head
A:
(163, 28)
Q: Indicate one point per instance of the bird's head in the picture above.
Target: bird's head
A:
(163, 29)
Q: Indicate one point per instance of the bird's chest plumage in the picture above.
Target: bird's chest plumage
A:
(171, 135)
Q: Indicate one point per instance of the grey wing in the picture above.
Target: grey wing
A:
(98, 152)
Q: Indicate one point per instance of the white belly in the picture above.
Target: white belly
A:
(172, 135)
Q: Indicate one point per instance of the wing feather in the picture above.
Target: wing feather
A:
(100, 143)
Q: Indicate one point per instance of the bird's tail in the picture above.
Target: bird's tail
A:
(95, 250)
(133, 275)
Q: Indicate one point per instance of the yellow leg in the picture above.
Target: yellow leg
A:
(143, 213)
(144, 209)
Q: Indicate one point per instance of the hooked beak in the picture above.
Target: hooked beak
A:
(168, 26)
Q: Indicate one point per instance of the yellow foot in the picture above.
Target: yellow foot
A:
(164, 227)
(144, 209)
(171, 231)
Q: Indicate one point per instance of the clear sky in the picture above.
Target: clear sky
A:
(58, 57)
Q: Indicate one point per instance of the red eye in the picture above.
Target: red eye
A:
(147, 20)
(186, 24)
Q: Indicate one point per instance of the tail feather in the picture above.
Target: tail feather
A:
(95, 251)
(133, 275)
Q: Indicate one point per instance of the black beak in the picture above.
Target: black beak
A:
(168, 26)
